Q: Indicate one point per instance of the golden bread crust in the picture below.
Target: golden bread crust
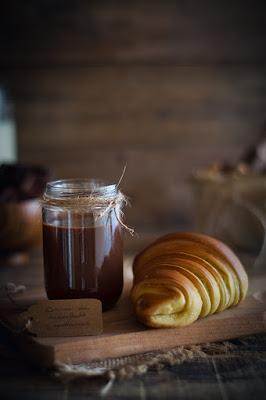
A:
(193, 270)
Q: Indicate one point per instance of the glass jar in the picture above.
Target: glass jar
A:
(82, 241)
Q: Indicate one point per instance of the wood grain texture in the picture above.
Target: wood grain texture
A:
(87, 32)
(138, 107)
(163, 86)
(238, 374)
(56, 37)
(122, 335)
(164, 122)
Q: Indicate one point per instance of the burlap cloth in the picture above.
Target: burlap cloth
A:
(136, 365)
(139, 364)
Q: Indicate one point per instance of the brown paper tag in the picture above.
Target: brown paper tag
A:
(77, 317)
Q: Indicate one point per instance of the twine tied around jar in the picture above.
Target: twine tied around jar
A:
(101, 205)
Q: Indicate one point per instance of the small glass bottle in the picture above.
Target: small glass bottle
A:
(8, 139)
(82, 241)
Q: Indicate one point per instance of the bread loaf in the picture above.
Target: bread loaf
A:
(183, 276)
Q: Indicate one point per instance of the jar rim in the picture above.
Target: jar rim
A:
(81, 187)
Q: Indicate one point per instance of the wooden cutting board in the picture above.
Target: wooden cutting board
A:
(123, 335)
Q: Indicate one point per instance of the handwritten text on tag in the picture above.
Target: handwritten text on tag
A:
(77, 317)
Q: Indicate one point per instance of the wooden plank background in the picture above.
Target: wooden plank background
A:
(163, 86)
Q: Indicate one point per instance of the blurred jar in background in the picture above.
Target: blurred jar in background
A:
(8, 138)
(232, 207)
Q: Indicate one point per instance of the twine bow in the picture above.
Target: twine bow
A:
(94, 201)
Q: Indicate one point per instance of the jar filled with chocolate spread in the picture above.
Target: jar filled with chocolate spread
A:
(82, 241)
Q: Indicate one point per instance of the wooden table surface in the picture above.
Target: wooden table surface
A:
(241, 374)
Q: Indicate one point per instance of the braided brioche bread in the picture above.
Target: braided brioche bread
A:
(183, 276)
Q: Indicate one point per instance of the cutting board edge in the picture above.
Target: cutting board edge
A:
(139, 342)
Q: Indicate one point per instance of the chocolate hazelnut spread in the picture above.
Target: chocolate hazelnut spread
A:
(82, 241)
(83, 262)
